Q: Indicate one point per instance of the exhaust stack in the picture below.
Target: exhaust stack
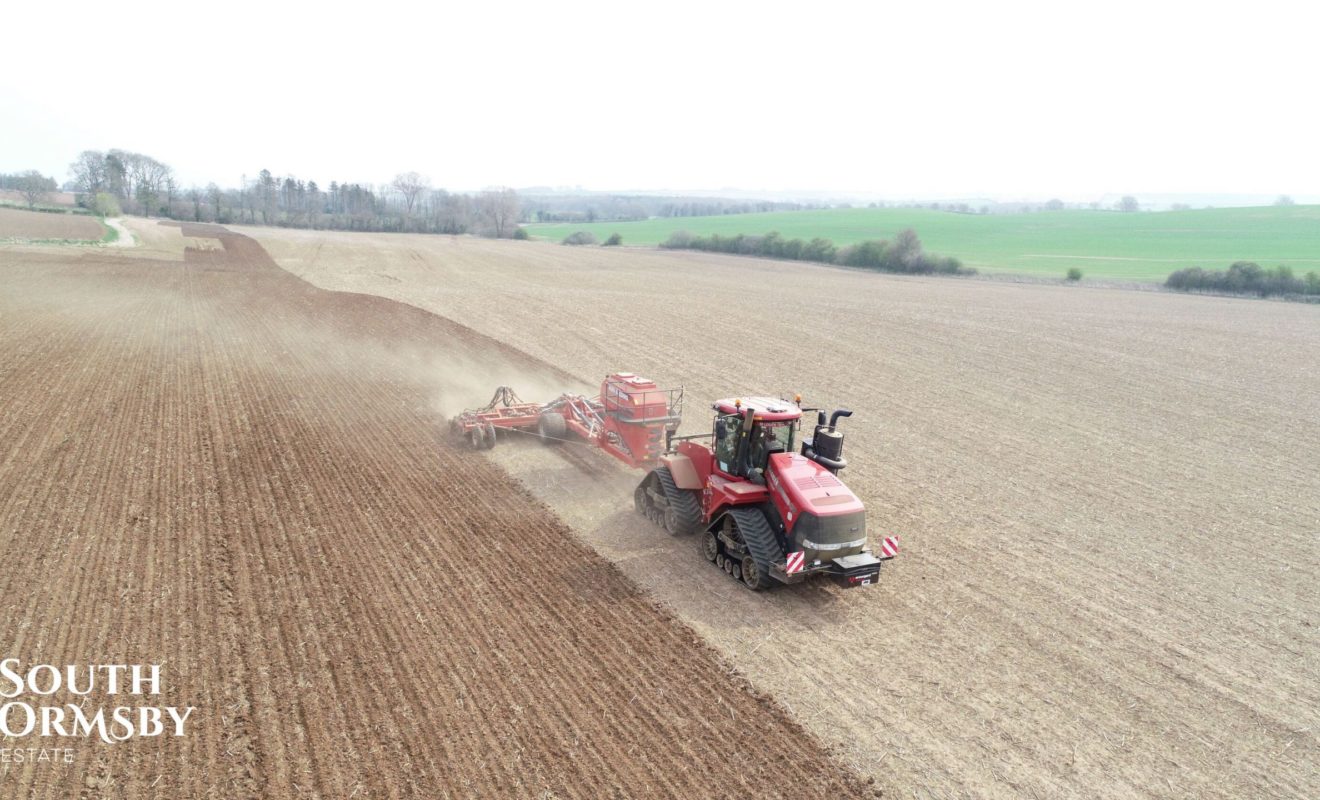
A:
(826, 444)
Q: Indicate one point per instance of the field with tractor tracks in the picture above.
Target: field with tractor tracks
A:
(1109, 502)
(209, 464)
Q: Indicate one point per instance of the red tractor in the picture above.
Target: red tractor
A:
(763, 512)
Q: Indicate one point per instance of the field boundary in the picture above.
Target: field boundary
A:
(48, 209)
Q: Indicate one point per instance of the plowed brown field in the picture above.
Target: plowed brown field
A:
(23, 224)
(212, 465)
(1109, 501)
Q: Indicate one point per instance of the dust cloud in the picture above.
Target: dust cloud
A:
(454, 378)
(456, 381)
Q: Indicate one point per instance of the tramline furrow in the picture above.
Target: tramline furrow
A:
(150, 517)
(245, 768)
(179, 498)
(269, 493)
(201, 628)
(258, 567)
(263, 565)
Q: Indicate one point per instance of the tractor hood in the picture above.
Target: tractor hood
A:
(809, 488)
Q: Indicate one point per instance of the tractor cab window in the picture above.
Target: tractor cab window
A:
(726, 448)
(782, 433)
(767, 438)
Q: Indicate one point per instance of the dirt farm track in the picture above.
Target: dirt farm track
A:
(224, 452)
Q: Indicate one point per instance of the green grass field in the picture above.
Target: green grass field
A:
(1143, 246)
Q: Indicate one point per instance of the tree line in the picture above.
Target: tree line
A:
(1245, 277)
(559, 207)
(115, 180)
(903, 254)
(121, 179)
(34, 186)
(407, 204)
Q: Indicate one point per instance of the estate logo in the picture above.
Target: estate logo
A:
(26, 710)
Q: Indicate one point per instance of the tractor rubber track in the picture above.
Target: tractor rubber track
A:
(683, 501)
(758, 537)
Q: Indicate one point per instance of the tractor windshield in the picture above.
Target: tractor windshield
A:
(780, 432)
(770, 437)
(738, 458)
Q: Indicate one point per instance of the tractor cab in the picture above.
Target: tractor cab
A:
(749, 430)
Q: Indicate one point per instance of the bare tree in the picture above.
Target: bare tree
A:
(89, 173)
(410, 185)
(499, 208)
(266, 188)
(1128, 203)
(150, 179)
(34, 186)
(451, 213)
(213, 192)
(315, 204)
(130, 176)
(244, 201)
(1284, 200)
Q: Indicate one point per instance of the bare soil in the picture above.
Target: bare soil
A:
(1109, 502)
(164, 241)
(212, 465)
(24, 224)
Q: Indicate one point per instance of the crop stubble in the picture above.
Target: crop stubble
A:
(1109, 500)
(213, 465)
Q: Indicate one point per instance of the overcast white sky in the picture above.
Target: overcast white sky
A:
(948, 99)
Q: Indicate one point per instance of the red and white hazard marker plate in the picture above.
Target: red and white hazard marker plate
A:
(795, 562)
(889, 547)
